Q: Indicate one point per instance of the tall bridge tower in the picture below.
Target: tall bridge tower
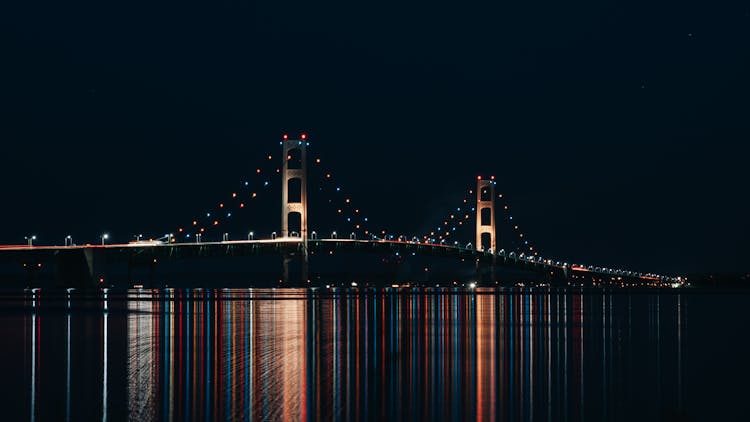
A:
(294, 187)
(294, 197)
(486, 214)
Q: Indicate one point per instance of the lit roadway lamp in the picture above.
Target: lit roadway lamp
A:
(68, 240)
(105, 236)
(30, 240)
(250, 236)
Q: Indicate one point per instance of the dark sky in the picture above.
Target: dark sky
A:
(618, 131)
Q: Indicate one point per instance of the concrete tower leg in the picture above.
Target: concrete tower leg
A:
(486, 201)
(293, 171)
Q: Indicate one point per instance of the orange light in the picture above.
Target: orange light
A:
(234, 194)
(269, 157)
(216, 223)
(357, 226)
(500, 195)
(254, 194)
(347, 200)
(195, 223)
(317, 160)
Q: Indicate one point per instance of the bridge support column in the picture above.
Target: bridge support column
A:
(85, 267)
(294, 200)
(486, 225)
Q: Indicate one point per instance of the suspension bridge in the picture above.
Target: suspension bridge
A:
(295, 243)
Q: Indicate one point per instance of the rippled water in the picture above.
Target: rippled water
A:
(533, 354)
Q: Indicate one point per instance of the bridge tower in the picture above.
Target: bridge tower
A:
(294, 185)
(486, 219)
(294, 194)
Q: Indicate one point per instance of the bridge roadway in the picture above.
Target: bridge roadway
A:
(33, 256)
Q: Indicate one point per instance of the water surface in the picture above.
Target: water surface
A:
(242, 354)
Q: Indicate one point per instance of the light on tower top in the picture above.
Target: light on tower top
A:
(479, 177)
(303, 136)
(285, 136)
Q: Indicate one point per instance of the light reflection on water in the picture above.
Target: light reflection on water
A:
(534, 354)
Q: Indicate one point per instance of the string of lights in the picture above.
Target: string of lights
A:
(342, 203)
(238, 199)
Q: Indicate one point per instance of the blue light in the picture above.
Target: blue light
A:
(246, 183)
(510, 218)
(365, 218)
(229, 214)
(348, 219)
(265, 183)
(338, 189)
(208, 214)
(187, 235)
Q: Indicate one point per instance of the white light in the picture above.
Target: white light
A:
(472, 285)
(354, 284)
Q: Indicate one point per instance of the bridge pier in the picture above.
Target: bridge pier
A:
(287, 277)
(84, 267)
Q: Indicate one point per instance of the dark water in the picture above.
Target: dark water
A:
(534, 354)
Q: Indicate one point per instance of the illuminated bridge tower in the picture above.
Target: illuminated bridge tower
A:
(486, 215)
(294, 194)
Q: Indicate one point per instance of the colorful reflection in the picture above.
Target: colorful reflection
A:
(298, 355)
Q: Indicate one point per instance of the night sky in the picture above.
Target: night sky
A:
(617, 131)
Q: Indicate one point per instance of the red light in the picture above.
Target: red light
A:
(492, 177)
(242, 205)
(303, 136)
(479, 177)
(285, 136)
(180, 230)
